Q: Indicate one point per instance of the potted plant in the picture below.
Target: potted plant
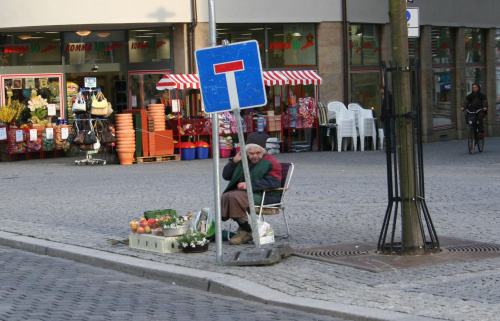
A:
(193, 242)
(173, 225)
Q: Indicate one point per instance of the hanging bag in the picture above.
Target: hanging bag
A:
(90, 137)
(80, 136)
(79, 106)
(104, 134)
(99, 104)
(109, 110)
(72, 135)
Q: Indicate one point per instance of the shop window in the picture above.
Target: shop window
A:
(443, 98)
(365, 91)
(475, 46)
(364, 44)
(150, 45)
(475, 75)
(414, 48)
(292, 45)
(243, 32)
(24, 87)
(142, 88)
(288, 45)
(442, 46)
(94, 47)
(497, 45)
(498, 93)
(30, 49)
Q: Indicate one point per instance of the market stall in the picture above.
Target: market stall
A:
(284, 111)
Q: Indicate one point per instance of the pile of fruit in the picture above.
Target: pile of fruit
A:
(155, 225)
(145, 226)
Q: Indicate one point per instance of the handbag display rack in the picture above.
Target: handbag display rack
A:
(89, 153)
(84, 106)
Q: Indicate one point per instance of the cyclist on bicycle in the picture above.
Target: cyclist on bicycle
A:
(475, 101)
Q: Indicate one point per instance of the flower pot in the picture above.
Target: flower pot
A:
(126, 155)
(125, 124)
(124, 132)
(196, 249)
(175, 231)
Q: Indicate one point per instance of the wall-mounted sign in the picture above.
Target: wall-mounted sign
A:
(413, 22)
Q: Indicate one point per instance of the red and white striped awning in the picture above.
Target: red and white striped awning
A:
(302, 77)
(272, 78)
(179, 81)
(165, 83)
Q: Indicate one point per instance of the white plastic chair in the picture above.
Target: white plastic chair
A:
(366, 127)
(355, 107)
(381, 138)
(333, 107)
(346, 128)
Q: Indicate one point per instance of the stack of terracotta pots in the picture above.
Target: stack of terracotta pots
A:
(125, 136)
(157, 113)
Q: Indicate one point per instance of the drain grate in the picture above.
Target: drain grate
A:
(475, 248)
(364, 255)
(314, 252)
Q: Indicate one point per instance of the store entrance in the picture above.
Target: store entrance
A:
(113, 85)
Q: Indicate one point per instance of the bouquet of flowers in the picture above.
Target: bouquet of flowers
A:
(38, 108)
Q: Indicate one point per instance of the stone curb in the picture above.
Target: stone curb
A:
(217, 283)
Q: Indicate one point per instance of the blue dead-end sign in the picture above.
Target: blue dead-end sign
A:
(231, 77)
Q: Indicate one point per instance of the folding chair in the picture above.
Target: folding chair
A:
(272, 209)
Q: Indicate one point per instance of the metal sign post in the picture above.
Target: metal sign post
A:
(215, 145)
(230, 79)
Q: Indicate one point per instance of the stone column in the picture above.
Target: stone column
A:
(330, 58)
(180, 54)
(491, 74)
(426, 84)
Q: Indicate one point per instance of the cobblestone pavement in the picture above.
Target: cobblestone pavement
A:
(57, 289)
(335, 198)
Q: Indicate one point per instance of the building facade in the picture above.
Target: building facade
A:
(129, 46)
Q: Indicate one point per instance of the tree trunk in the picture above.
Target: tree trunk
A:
(412, 238)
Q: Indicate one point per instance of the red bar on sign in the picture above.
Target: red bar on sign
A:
(228, 67)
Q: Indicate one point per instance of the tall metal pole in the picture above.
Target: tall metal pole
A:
(215, 145)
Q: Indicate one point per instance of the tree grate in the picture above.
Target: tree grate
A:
(476, 248)
(328, 252)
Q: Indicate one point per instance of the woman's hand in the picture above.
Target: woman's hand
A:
(242, 186)
(237, 158)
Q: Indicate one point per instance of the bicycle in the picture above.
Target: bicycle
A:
(474, 139)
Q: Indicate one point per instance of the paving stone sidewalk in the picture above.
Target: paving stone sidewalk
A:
(336, 198)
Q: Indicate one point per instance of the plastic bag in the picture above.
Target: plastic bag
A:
(263, 227)
(205, 223)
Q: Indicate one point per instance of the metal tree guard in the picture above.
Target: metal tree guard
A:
(413, 119)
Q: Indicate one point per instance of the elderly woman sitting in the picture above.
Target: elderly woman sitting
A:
(265, 173)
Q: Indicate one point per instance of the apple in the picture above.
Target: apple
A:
(133, 227)
(152, 223)
(143, 223)
(147, 229)
(140, 230)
